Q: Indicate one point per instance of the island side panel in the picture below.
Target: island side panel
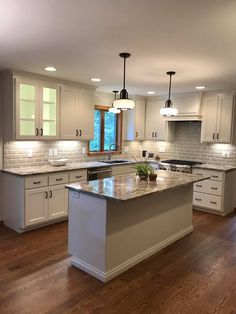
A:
(87, 232)
(138, 228)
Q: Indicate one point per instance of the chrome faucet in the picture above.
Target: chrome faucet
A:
(110, 151)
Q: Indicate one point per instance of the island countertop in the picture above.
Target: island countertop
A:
(126, 187)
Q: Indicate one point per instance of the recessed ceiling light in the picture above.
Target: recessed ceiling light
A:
(50, 69)
(96, 79)
(151, 92)
(200, 87)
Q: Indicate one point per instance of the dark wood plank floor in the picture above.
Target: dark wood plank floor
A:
(195, 275)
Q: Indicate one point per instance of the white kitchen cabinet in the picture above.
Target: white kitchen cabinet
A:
(58, 202)
(37, 109)
(38, 199)
(77, 113)
(134, 122)
(218, 118)
(214, 195)
(36, 204)
(156, 128)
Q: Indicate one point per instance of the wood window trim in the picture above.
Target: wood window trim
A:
(118, 134)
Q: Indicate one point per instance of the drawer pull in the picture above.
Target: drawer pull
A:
(59, 179)
(198, 199)
(212, 202)
(199, 174)
(199, 185)
(36, 182)
(50, 194)
(214, 188)
(46, 195)
(213, 176)
(77, 177)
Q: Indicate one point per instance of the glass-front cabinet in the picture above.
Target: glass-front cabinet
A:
(36, 110)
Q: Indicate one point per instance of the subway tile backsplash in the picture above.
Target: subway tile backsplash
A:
(186, 146)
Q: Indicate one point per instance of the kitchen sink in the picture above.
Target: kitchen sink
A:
(115, 161)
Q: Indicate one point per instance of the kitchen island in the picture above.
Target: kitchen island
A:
(115, 223)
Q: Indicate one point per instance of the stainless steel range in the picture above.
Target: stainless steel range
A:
(178, 165)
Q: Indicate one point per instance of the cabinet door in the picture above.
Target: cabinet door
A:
(151, 120)
(210, 108)
(86, 115)
(69, 113)
(27, 109)
(58, 202)
(49, 111)
(224, 118)
(139, 119)
(36, 206)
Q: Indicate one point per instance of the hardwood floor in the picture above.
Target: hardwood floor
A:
(194, 275)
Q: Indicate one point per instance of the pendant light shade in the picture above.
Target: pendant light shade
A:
(169, 110)
(112, 109)
(124, 103)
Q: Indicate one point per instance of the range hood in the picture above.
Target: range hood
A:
(188, 106)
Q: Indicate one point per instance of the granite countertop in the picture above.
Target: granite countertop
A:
(49, 169)
(126, 187)
(224, 168)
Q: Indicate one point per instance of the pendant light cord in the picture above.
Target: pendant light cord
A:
(124, 72)
(170, 86)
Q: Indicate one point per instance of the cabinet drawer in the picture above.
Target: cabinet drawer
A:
(58, 178)
(207, 201)
(215, 175)
(35, 182)
(209, 187)
(78, 175)
(123, 169)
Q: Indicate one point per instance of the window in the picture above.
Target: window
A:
(107, 130)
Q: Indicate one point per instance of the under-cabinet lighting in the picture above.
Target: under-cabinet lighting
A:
(95, 79)
(200, 87)
(50, 68)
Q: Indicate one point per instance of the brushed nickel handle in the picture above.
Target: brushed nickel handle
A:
(46, 195)
(198, 199)
(36, 182)
(153, 134)
(77, 133)
(41, 132)
(77, 177)
(36, 131)
(199, 185)
(59, 179)
(50, 194)
(80, 132)
(217, 136)
(212, 202)
(213, 188)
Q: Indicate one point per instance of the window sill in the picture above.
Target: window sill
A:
(104, 153)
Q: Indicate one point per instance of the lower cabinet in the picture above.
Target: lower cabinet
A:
(214, 195)
(123, 169)
(38, 199)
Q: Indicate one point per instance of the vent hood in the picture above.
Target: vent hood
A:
(188, 106)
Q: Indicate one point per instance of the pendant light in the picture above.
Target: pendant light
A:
(124, 103)
(168, 110)
(112, 109)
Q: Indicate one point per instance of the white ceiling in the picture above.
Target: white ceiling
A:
(83, 38)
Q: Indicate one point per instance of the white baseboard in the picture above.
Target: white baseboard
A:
(106, 276)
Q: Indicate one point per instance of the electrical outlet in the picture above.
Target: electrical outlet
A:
(83, 150)
(226, 154)
(126, 149)
(55, 151)
(162, 149)
(30, 153)
(50, 152)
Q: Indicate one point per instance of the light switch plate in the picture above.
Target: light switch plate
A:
(162, 149)
(50, 152)
(225, 154)
(126, 149)
(55, 151)
(30, 153)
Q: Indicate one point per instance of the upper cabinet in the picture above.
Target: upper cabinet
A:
(156, 128)
(77, 113)
(134, 121)
(218, 118)
(36, 109)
